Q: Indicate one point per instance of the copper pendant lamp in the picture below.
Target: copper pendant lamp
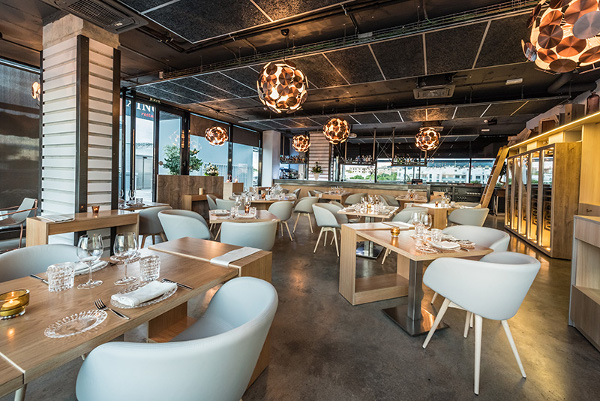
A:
(336, 131)
(301, 143)
(282, 87)
(427, 139)
(216, 136)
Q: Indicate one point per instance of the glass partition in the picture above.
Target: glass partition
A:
(207, 153)
(245, 165)
(169, 143)
(535, 185)
(144, 150)
(524, 198)
(546, 229)
(509, 193)
(517, 191)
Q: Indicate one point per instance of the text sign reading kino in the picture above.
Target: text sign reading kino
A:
(143, 111)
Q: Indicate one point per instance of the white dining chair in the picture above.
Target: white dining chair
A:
(390, 200)
(304, 207)
(260, 234)
(150, 224)
(283, 211)
(16, 216)
(354, 198)
(469, 217)
(492, 288)
(296, 193)
(211, 360)
(403, 216)
(183, 223)
(469, 204)
(212, 202)
(225, 204)
(327, 218)
(34, 259)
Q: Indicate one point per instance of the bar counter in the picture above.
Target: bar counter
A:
(391, 188)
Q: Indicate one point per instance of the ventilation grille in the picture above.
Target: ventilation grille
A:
(106, 14)
(434, 92)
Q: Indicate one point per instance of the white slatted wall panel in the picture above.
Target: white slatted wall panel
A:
(318, 152)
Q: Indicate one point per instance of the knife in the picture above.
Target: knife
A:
(179, 284)
(39, 278)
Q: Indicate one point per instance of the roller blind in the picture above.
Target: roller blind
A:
(199, 125)
(245, 136)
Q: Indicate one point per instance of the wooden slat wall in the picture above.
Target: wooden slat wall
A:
(318, 152)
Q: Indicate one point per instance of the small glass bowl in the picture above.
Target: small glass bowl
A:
(13, 303)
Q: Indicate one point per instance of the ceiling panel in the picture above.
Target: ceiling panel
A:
(280, 9)
(365, 118)
(246, 75)
(442, 113)
(204, 88)
(401, 57)
(356, 64)
(474, 111)
(502, 109)
(502, 43)
(152, 90)
(539, 106)
(319, 71)
(453, 49)
(389, 117)
(228, 84)
(143, 5)
(414, 115)
(181, 87)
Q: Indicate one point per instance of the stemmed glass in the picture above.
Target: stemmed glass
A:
(427, 220)
(89, 250)
(125, 249)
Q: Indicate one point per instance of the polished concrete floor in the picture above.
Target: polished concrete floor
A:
(323, 348)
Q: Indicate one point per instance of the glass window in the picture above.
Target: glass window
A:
(481, 169)
(169, 141)
(245, 164)
(206, 153)
(446, 170)
(144, 150)
(358, 173)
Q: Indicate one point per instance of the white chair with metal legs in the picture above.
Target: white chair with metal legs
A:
(211, 360)
(183, 223)
(492, 288)
(404, 216)
(469, 217)
(283, 211)
(225, 204)
(150, 224)
(327, 218)
(34, 259)
(256, 235)
(16, 216)
(354, 198)
(304, 207)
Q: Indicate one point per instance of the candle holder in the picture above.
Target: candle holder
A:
(200, 191)
(395, 231)
(95, 209)
(13, 303)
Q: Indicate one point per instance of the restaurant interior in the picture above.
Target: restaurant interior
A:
(299, 200)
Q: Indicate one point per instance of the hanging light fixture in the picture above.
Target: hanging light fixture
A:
(282, 87)
(301, 143)
(427, 139)
(336, 130)
(216, 136)
(36, 89)
(564, 36)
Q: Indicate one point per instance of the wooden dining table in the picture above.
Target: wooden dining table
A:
(439, 213)
(261, 215)
(337, 196)
(412, 317)
(25, 348)
(368, 249)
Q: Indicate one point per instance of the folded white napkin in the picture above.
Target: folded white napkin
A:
(226, 259)
(81, 267)
(150, 291)
(445, 245)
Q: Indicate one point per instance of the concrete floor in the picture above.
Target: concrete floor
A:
(326, 349)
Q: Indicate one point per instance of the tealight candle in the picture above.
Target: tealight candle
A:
(395, 232)
(95, 209)
(13, 303)
(10, 304)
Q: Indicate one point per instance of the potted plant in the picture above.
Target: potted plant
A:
(172, 161)
(211, 170)
(316, 170)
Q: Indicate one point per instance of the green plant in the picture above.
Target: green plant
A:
(172, 159)
(316, 169)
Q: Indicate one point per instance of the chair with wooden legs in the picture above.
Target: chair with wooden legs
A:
(304, 207)
(492, 288)
(326, 218)
(283, 211)
(469, 217)
(354, 198)
(150, 224)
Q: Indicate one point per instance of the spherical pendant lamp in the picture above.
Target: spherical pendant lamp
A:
(216, 136)
(301, 143)
(565, 35)
(336, 130)
(427, 139)
(282, 87)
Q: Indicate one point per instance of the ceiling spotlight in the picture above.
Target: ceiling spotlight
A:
(336, 130)
(564, 36)
(216, 136)
(427, 139)
(282, 87)
(301, 143)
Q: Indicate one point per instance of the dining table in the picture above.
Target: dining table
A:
(140, 206)
(261, 215)
(403, 200)
(440, 213)
(368, 249)
(336, 196)
(27, 353)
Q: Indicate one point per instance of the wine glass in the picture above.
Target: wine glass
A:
(132, 195)
(125, 249)
(89, 250)
(427, 220)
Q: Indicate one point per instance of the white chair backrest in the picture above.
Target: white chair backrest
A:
(183, 223)
(282, 209)
(354, 198)
(19, 218)
(212, 204)
(405, 214)
(325, 215)
(469, 204)
(256, 235)
(304, 205)
(34, 259)
(149, 222)
(391, 200)
(469, 217)
(225, 204)
(212, 360)
(297, 193)
(498, 240)
(383, 200)
(493, 287)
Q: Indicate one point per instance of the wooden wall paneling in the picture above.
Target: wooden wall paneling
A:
(171, 188)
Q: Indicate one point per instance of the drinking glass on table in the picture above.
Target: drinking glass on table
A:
(89, 250)
(125, 249)
(427, 220)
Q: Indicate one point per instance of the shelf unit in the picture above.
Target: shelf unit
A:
(584, 310)
(542, 196)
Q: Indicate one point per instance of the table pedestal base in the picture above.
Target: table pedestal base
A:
(399, 315)
(368, 250)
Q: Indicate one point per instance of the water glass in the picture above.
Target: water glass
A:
(234, 210)
(253, 211)
(436, 235)
(427, 220)
(61, 276)
(149, 268)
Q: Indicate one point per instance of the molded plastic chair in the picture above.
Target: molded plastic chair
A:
(283, 211)
(297, 193)
(469, 204)
(256, 235)
(404, 216)
(225, 204)
(390, 200)
(212, 360)
(492, 288)
(10, 217)
(150, 224)
(354, 198)
(34, 259)
(183, 223)
(469, 217)
(304, 207)
(212, 202)
(327, 218)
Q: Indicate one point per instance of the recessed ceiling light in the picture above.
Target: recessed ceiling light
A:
(485, 130)
(514, 81)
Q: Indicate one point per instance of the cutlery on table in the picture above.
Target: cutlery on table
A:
(166, 280)
(39, 278)
(101, 306)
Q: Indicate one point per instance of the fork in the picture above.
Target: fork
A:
(101, 306)
(166, 280)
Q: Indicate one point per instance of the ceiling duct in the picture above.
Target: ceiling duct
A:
(434, 87)
(106, 14)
